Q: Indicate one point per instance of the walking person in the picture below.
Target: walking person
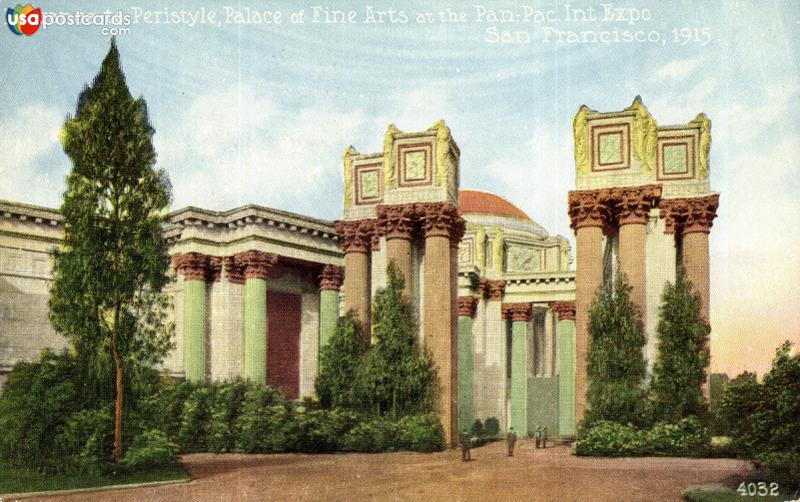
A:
(538, 436)
(511, 440)
(466, 444)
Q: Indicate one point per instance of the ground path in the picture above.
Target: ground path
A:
(531, 475)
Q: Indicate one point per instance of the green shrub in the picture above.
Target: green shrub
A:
(150, 449)
(477, 430)
(87, 440)
(374, 436)
(195, 420)
(225, 409)
(261, 421)
(35, 403)
(782, 468)
(320, 431)
(421, 433)
(492, 427)
(686, 438)
(165, 408)
(605, 438)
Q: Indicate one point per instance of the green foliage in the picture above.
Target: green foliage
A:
(615, 364)
(321, 431)
(687, 437)
(106, 295)
(762, 417)
(683, 355)
(781, 467)
(34, 406)
(225, 409)
(150, 449)
(492, 427)
(716, 388)
(395, 376)
(193, 433)
(477, 429)
(259, 418)
(165, 408)
(373, 436)
(421, 433)
(339, 363)
(86, 440)
(611, 439)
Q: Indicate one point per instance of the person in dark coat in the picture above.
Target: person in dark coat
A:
(538, 436)
(466, 444)
(511, 440)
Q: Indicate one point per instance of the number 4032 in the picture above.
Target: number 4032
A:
(761, 488)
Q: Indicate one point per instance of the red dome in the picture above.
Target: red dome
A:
(476, 201)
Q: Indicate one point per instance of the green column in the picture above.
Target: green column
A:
(466, 413)
(194, 329)
(519, 377)
(328, 315)
(255, 330)
(566, 377)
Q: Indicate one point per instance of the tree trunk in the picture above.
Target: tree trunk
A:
(118, 388)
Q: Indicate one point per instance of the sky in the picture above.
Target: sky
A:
(247, 111)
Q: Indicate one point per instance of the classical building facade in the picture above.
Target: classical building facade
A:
(500, 307)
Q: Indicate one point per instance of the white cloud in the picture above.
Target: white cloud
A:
(677, 70)
(32, 166)
(241, 145)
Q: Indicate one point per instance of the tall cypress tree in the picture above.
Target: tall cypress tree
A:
(683, 356)
(339, 362)
(615, 361)
(106, 296)
(396, 375)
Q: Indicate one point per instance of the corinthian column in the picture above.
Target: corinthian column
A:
(196, 269)
(633, 208)
(255, 266)
(520, 315)
(357, 242)
(330, 280)
(396, 223)
(588, 215)
(443, 226)
(466, 312)
(565, 329)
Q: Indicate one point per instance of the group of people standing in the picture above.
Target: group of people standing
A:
(540, 439)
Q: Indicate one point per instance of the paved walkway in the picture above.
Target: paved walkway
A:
(531, 475)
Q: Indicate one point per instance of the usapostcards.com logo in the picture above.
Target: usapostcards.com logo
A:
(23, 20)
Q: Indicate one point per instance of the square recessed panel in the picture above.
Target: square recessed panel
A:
(676, 157)
(369, 183)
(610, 145)
(415, 164)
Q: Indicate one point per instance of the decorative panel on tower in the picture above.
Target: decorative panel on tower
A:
(611, 146)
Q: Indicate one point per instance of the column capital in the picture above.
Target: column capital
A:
(517, 311)
(466, 306)
(493, 290)
(330, 279)
(689, 215)
(441, 220)
(587, 208)
(565, 311)
(197, 266)
(356, 235)
(395, 221)
(234, 270)
(633, 204)
(254, 264)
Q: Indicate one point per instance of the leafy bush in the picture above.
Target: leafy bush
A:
(321, 431)
(225, 409)
(686, 438)
(338, 363)
(35, 403)
(87, 440)
(263, 414)
(477, 429)
(782, 468)
(195, 420)
(165, 408)
(150, 449)
(492, 427)
(374, 436)
(421, 433)
(605, 438)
